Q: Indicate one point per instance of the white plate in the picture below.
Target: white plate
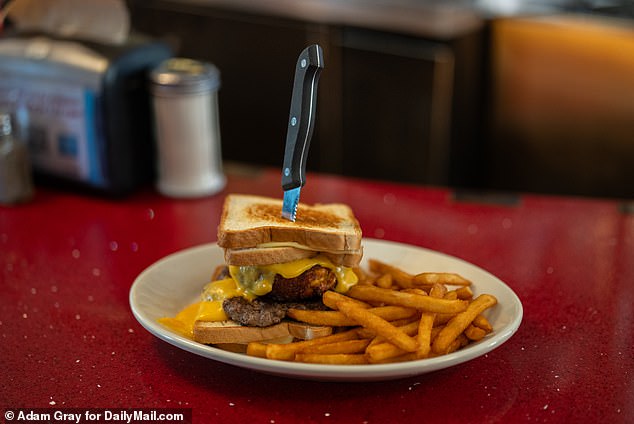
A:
(175, 281)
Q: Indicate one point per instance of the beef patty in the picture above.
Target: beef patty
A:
(262, 313)
(311, 284)
(302, 292)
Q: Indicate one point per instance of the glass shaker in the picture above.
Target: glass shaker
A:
(16, 184)
(186, 128)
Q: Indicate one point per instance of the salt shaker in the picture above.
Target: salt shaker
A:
(186, 128)
(16, 184)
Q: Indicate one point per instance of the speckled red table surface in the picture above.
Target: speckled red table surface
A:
(68, 337)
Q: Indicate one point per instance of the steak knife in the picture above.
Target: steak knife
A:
(300, 127)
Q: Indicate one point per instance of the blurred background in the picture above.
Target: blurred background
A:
(499, 95)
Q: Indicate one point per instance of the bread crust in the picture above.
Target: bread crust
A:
(276, 255)
(248, 221)
(266, 256)
(230, 332)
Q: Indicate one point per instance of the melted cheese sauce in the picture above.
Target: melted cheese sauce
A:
(248, 282)
(183, 322)
(258, 280)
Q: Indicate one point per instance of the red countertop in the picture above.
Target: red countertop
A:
(68, 337)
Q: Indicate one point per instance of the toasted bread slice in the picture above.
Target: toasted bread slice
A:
(276, 255)
(248, 221)
(230, 332)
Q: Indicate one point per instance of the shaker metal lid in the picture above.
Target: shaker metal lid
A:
(5, 123)
(182, 76)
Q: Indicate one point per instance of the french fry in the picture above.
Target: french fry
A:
(384, 351)
(483, 323)
(459, 342)
(464, 293)
(445, 318)
(425, 326)
(256, 349)
(329, 318)
(375, 340)
(347, 346)
(446, 278)
(400, 277)
(380, 352)
(474, 333)
(451, 295)
(378, 325)
(438, 290)
(410, 328)
(460, 322)
(286, 352)
(426, 279)
(426, 323)
(330, 299)
(416, 301)
(408, 325)
(441, 319)
(393, 313)
(411, 356)
(338, 319)
(415, 291)
(384, 281)
(332, 359)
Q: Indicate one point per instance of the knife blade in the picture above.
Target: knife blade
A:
(300, 127)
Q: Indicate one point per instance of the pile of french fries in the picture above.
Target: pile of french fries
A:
(389, 316)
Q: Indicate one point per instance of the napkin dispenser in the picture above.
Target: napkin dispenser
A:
(84, 108)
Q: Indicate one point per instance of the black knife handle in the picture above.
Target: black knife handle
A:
(302, 116)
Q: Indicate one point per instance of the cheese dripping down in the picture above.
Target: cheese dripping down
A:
(249, 282)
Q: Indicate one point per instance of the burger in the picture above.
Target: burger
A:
(271, 265)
